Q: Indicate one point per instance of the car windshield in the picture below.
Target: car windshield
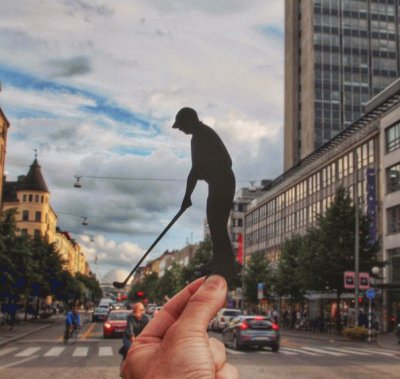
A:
(118, 315)
(231, 313)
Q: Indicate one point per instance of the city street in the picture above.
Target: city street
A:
(43, 355)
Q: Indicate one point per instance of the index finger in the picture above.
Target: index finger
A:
(170, 312)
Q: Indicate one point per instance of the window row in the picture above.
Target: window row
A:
(37, 214)
(392, 137)
(33, 198)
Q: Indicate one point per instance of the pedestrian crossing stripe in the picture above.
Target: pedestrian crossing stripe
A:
(54, 351)
(81, 351)
(28, 352)
(107, 351)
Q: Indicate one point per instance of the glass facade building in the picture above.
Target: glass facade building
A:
(338, 55)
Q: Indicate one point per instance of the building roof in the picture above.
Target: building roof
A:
(34, 179)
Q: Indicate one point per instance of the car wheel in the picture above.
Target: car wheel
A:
(235, 344)
(275, 348)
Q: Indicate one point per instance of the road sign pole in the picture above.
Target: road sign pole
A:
(369, 320)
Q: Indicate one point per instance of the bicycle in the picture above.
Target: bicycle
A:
(6, 322)
(71, 335)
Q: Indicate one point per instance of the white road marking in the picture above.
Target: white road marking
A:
(302, 352)
(385, 353)
(80, 352)
(315, 350)
(235, 352)
(355, 352)
(54, 351)
(287, 352)
(27, 352)
(105, 351)
(19, 362)
(7, 350)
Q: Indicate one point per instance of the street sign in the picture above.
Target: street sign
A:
(349, 279)
(370, 293)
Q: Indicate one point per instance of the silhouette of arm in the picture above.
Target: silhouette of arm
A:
(190, 186)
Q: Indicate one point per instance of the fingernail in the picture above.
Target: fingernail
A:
(215, 281)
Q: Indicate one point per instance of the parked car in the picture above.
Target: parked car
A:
(223, 318)
(256, 331)
(115, 323)
(99, 314)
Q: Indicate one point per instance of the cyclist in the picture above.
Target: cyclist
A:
(72, 321)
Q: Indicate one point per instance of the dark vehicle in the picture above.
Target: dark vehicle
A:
(99, 314)
(115, 324)
(256, 331)
(398, 333)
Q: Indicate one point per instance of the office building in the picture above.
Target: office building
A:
(338, 55)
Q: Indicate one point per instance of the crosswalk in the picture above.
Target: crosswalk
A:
(110, 351)
(326, 351)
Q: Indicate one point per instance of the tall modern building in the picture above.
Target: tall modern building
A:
(338, 55)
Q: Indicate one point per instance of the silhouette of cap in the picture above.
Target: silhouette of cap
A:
(184, 116)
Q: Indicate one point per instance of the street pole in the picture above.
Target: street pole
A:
(369, 320)
(356, 240)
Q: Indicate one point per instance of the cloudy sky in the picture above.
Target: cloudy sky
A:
(94, 86)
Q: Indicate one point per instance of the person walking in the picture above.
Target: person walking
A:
(212, 163)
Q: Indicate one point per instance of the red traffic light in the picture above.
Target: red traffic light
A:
(139, 293)
(360, 299)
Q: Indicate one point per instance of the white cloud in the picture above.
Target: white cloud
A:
(150, 58)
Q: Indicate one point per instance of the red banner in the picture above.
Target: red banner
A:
(239, 257)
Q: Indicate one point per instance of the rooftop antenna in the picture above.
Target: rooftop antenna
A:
(84, 221)
(36, 153)
(77, 184)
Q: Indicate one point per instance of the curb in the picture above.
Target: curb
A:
(2, 343)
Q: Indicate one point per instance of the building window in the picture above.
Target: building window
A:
(393, 137)
(38, 216)
(24, 232)
(393, 219)
(37, 234)
(25, 215)
(41, 199)
(30, 198)
(394, 257)
(393, 178)
(23, 197)
(36, 198)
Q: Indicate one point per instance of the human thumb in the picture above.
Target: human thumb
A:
(204, 304)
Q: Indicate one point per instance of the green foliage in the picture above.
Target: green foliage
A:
(289, 267)
(256, 271)
(358, 333)
(202, 256)
(32, 267)
(91, 283)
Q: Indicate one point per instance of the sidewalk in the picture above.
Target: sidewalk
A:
(384, 340)
(25, 328)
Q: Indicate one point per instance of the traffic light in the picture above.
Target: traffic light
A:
(139, 294)
(360, 299)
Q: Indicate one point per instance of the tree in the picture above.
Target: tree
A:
(327, 249)
(288, 279)
(257, 271)
(170, 283)
(202, 256)
(148, 286)
(92, 285)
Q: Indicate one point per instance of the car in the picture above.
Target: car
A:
(223, 318)
(253, 331)
(99, 314)
(115, 324)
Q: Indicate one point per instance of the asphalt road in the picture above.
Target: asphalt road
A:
(43, 355)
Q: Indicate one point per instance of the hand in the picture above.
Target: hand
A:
(186, 203)
(175, 343)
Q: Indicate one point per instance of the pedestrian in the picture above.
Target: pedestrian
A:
(134, 326)
(175, 344)
(211, 162)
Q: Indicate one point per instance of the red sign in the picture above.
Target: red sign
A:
(363, 280)
(349, 279)
(239, 257)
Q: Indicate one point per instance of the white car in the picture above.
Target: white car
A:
(223, 318)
